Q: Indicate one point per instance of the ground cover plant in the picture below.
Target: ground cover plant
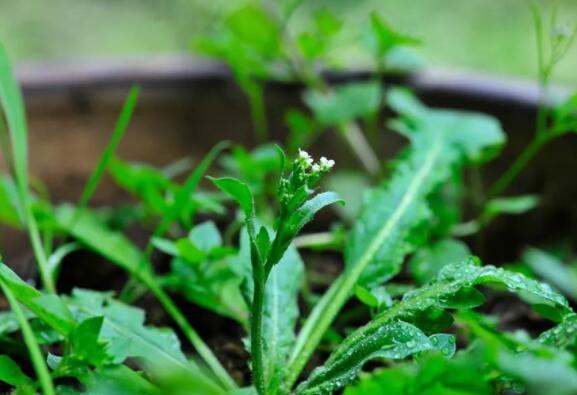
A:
(409, 310)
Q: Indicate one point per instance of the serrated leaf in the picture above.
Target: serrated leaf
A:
(88, 347)
(451, 280)
(394, 215)
(385, 231)
(478, 136)
(395, 340)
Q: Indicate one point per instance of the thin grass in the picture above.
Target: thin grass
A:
(119, 131)
(36, 356)
(13, 107)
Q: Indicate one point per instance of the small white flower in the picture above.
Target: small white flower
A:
(316, 168)
(305, 158)
(326, 164)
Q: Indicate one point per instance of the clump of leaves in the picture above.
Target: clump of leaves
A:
(429, 335)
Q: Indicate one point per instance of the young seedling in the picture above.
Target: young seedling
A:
(298, 203)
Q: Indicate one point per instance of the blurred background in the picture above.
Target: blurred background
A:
(490, 36)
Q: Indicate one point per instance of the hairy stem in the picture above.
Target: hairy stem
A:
(256, 340)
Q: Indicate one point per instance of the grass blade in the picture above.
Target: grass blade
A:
(117, 134)
(13, 107)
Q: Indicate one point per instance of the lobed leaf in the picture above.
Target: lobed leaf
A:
(123, 327)
(395, 340)
(454, 278)
(393, 214)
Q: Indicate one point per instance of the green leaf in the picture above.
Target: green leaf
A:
(205, 236)
(454, 278)
(239, 191)
(254, 28)
(393, 216)
(87, 228)
(440, 141)
(446, 344)
(183, 195)
(121, 380)
(122, 324)
(433, 375)
(385, 38)
(289, 229)
(563, 335)
(509, 205)
(10, 210)
(478, 137)
(547, 266)
(366, 296)
(143, 181)
(11, 373)
(49, 308)
(345, 102)
(87, 345)
(395, 340)
(540, 374)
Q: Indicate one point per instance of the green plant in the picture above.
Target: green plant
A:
(372, 328)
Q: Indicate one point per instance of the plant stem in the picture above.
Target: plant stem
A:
(517, 167)
(39, 251)
(31, 343)
(358, 143)
(256, 340)
(258, 114)
(192, 336)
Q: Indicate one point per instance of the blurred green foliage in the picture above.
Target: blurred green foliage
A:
(489, 36)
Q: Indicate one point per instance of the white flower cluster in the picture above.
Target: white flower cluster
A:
(307, 162)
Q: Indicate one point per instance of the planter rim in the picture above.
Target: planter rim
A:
(65, 74)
